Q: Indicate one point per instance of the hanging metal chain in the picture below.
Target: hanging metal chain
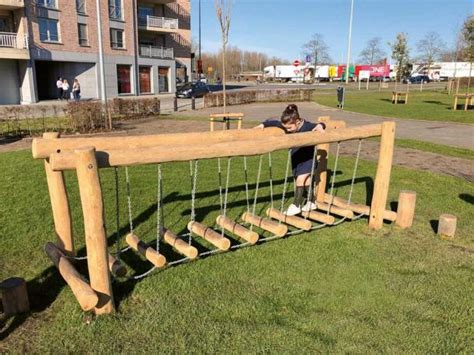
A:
(310, 190)
(257, 183)
(193, 194)
(270, 178)
(129, 200)
(117, 213)
(219, 174)
(226, 191)
(159, 202)
(333, 179)
(246, 175)
(285, 183)
(354, 173)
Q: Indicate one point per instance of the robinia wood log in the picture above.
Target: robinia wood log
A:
(447, 226)
(148, 252)
(319, 217)
(358, 208)
(116, 267)
(261, 145)
(85, 295)
(59, 204)
(180, 245)
(273, 227)
(382, 176)
(43, 148)
(210, 235)
(335, 210)
(406, 208)
(96, 240)
(237, 229)
(14, 296)
(294, 221)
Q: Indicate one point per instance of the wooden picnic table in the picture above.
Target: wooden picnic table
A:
(468, 100)
(396, 95)
(225, 119)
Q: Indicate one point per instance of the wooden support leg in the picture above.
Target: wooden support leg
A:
(382, 176)
(148, 252)
(85, 295)
(14, 296)
(455, 106)
(180, 245)
(210, 235)
(266, 224)
(406, 208)
(96, 240)
(294, 221)
(237, 229)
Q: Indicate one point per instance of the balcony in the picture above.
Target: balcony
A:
(158, 2)
(158, 24)
(156, 52)
(11, 4)
(13, 46)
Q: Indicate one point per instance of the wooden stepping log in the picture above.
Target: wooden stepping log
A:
(210, 235)
(319, 217)
(266, 224)
(148, 252)
(14, 296)
(335, 210)
(358, 208)
(116, 267)
(294, 221)
(85, 295)
(180, 245)
(237, 229)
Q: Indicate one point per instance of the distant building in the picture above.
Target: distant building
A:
(145, 47)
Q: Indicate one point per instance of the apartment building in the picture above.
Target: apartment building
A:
(146, 46)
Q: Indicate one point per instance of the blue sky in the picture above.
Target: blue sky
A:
(280, 28)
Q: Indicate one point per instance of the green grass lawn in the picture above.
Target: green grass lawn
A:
(339, 289)
(427, 105)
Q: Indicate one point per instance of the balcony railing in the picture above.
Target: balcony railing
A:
(12, 40)
(158, 22)
(12, 4)
(156, 52)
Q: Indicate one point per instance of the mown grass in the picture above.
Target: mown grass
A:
(426, 105)
(339, 289)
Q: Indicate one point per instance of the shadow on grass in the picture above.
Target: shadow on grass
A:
(436, 103)
(434, 225)
(467, 198)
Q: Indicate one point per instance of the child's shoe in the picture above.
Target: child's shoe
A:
(309, 206)
(293, 210)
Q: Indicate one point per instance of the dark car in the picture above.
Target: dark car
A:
(188, 90)
(420, 79)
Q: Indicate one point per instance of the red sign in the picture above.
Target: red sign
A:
(296, 71)
(296, 62)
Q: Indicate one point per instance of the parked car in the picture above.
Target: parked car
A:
(189, 90)
(420, 79)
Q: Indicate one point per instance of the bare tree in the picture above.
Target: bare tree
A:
(430, 48)
(373, 52)
(223, 9)
(318, 49)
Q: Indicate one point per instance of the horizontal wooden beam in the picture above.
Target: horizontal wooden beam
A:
(43, 147)
(206, 150)
(230, 115)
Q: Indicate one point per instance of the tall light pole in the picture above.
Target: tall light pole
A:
(199, 29)
(103, 92)
(349, 42)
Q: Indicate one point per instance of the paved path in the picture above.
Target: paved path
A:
(447, 133)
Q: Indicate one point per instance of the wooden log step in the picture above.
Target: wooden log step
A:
(14, 296)
(116, 267)
(237, 229)
(210, 235)
(319, 217)
(84, 294)
(358, 208)
(266, 224)
(180, 245)
(294, 221)
(148, 252)
(335, 210)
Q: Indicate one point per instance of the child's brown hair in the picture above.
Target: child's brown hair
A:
(290, 114)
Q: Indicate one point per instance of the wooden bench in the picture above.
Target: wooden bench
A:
(225, 119)
(396, 95)
(468, 100)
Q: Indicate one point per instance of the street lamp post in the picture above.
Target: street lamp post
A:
(349, 42)
(103, 91)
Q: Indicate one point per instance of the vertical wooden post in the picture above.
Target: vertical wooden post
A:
(382, 177)
(96, 240)
(211, 124)
(406, 208)
(59, 204)
(321, 171)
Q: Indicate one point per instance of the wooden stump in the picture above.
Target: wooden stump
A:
(406, 208)
(14, 296)
(447, 226)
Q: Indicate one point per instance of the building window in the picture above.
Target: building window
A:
(81, 6)
(46, 3)
(116, 38)
(123, 79)
(145, 80)
(163, 84)
(115, 9)
(48, 29)
(82, 32)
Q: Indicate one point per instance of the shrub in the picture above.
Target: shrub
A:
(86, 116)
(133, 108)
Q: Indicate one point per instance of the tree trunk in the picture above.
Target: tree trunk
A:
(223, 78)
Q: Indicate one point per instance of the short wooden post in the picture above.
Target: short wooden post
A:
(96, 240)
(175, 104)
(382, 176)
(406, 208)
(211, 124)
(193, 103)
(59, 204)
(447, 226)
(14, 296)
